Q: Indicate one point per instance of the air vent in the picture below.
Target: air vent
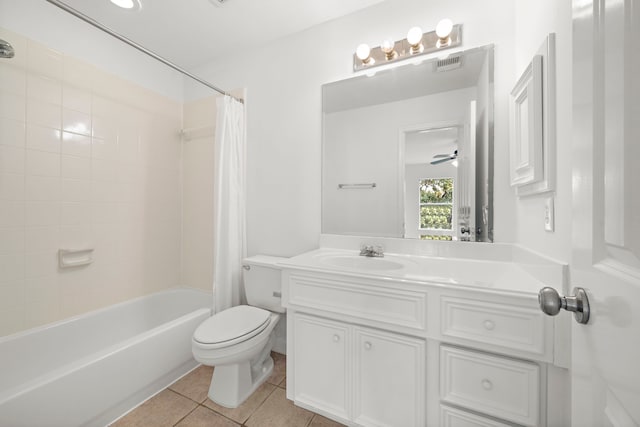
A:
(448, 64)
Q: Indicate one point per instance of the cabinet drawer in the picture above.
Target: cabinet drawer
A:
(367, 301)
(497, 386)
(515, 327)
(453, 417)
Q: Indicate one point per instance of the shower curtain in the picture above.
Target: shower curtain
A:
(229, 244)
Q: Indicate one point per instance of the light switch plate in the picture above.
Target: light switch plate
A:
(549, 214)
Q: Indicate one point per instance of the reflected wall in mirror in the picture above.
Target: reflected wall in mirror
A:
(408, 152)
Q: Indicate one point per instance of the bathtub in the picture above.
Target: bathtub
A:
(90, 369)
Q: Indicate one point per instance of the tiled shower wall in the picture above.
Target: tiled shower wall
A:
(197, 199)
(87, 160)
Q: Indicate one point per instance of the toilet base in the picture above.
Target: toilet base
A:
(233, 384)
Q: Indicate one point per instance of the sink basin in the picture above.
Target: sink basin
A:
(362, 262)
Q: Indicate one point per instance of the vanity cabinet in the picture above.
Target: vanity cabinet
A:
(369, 351)
(372, 377)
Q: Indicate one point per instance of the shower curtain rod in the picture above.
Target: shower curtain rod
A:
(135, 45)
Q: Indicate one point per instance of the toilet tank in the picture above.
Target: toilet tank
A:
(262, 282)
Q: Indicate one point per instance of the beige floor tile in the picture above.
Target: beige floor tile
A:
(242, 412)
(194, 385)
(279, 368)
(204, 417)
(320, 421)
(277, 411)
(164, 409)
(283, 383)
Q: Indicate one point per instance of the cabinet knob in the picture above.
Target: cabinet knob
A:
(367, 345)
(486, 384)
(489, 325)
(336, 338)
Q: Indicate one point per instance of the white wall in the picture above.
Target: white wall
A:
(534, 20)
(59, 30)
(283, 82)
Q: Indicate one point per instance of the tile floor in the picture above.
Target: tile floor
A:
(185, 404)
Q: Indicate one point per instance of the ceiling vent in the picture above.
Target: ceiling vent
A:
(448, 64)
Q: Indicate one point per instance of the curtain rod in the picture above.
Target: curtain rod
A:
(137, 46)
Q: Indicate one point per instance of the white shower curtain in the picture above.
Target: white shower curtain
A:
(229, 244)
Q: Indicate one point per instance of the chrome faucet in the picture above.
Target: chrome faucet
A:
(371, 251)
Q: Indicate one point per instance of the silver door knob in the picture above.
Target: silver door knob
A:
(551, 303)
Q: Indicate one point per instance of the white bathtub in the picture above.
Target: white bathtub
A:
(90, 369)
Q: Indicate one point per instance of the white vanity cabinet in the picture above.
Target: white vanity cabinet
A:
(372, 377)
(380, 351)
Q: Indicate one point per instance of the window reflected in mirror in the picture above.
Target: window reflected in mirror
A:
(436, 208)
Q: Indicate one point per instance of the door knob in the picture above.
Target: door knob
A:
(551, 303)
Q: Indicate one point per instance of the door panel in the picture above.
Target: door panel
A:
(606, 207)
(389, 379)
(321, 358)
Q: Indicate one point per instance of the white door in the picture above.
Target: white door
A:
(606, 207)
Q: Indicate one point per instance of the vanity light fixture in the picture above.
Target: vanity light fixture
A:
(445, 36)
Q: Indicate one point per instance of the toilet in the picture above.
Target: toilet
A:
(238, 341)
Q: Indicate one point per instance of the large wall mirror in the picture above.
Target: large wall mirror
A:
(408, 151)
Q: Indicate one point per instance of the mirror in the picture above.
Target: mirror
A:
(408, 151)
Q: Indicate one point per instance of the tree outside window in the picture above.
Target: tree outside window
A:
(436, 208)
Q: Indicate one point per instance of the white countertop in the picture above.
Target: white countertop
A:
(504, 276)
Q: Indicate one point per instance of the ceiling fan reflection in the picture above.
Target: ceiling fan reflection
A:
(442, 158)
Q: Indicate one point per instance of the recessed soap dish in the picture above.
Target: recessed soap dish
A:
(68, 258)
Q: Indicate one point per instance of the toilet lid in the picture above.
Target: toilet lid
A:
(242, 321)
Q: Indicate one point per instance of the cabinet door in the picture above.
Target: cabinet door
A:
(389, 377)
(321, 355)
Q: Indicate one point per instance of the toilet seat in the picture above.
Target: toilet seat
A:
(231, 326)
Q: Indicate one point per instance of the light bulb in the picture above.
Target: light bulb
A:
(443, 31)
(125, 4)
(387, 47)
(444, 27)
(363, 52)
(414, 37)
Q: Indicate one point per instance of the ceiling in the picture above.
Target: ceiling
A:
(194, 32)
